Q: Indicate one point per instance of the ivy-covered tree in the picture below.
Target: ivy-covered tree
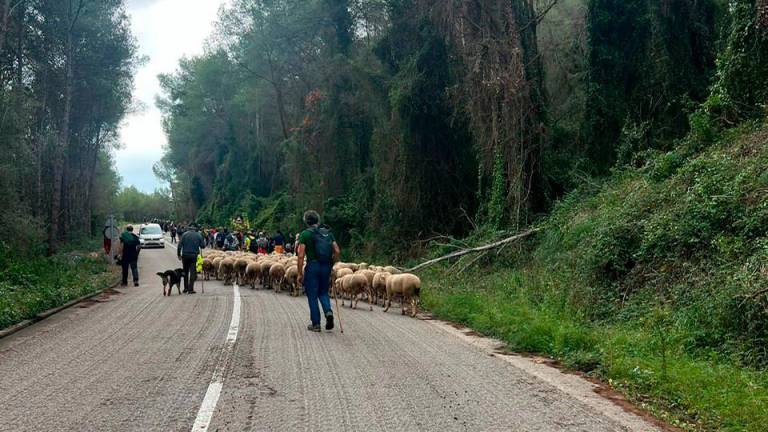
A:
(648, 61)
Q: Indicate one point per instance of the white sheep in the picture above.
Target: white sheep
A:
(408, 287)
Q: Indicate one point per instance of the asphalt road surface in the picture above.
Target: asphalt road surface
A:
(136, 361)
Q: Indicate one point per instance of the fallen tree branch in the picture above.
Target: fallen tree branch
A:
(753, 296)
(475, 249)
(474, 260)
(757, 293)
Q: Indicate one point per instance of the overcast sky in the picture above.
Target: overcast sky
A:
(166, 30)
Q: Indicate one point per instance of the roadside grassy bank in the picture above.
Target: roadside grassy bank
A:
(652, 367)
(653, 281)
(30, 285)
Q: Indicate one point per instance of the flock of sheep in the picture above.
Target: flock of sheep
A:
(348, 281)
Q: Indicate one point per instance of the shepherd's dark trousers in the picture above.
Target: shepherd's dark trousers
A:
(189, 265)
(317, 277)
(134, 270)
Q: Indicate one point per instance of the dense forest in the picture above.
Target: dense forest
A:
(405, 119)
(66, 78)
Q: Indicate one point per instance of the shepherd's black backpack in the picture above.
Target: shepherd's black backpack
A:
(254, 246)
(323, 242)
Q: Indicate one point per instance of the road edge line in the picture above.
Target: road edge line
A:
(211, 399)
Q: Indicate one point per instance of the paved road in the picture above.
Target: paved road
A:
(135, 361)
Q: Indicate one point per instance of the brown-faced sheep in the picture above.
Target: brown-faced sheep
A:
(407, 287)
(340, 274)
(369, 274)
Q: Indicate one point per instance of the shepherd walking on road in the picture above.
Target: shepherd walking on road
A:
(320, 249)
(190, 246)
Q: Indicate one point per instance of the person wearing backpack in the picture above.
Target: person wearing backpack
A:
(221, 236)
(251, 245)
(190, 246)
(262, 244)
(130, 247)
(230, 242)
(318, 246)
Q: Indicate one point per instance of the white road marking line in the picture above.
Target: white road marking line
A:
(208, 407)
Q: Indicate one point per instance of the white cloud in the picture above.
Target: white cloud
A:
(166, 31)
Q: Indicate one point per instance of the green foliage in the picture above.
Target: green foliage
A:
(32, 284)
(643, 284)
(646, 61)
(424, 158)
(276, 214)
(653, 280)
(644, 357)
(133, 205)
(396, 105)
(740, 91)
(65, 84)
(242, 141)
(497, 196)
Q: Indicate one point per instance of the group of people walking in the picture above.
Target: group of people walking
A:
(315, 246)
(259, 243)
(235, 240)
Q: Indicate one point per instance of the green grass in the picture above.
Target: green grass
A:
(650, 281)
(645, 360)
(30, 285)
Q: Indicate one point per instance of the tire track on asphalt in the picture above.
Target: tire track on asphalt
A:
(75, 362)
(163, 376)
(211, 398)
(137, 362)
(387, 372)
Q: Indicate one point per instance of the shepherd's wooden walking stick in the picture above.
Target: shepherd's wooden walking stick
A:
(338, 310)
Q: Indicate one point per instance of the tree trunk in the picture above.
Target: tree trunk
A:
(484, 248)
(281, 110)
(503, 93)
(5, 18)
(39, 143)
(20, 46)
(65, 221)
(280, 98)
(60, 150)
(90, 173)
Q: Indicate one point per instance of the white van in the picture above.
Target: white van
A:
(151, 235)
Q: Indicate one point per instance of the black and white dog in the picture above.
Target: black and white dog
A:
(171, 278)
